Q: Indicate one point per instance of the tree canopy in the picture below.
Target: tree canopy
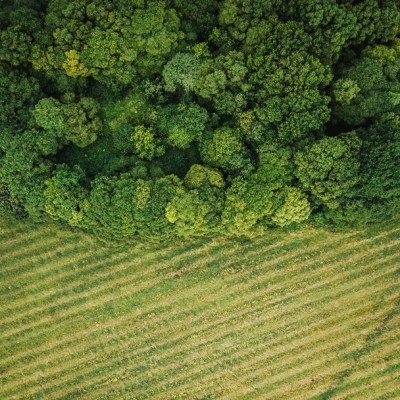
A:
(157, 119)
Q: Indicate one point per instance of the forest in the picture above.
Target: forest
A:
(158, 119)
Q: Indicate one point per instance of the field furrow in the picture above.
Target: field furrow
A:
(310, 314)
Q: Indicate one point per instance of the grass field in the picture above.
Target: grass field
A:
(305, 315)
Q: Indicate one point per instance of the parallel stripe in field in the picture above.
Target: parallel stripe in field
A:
(179, 252)
(34, 264)
(349, 389)
(278, 377)
(39, 310)
(390, 395)
(8, 226)
(13, 307)
(393, 381)
(18, 238)
(191, 372)
(302, 378)
(8, 235)
(377, 377)
(56, 273)
(158, 373)
(212, 377)
(388, 345)
(367, 361)
(46, 267)
(30, 255)
(323, 379)
(267, 302)
(13, 252)
(111, 285)
(15, 224)
(301, 368)
(16, 263)
(312, 363)
(35, 279)
(194, 390)
(189, 269)
(68, 269)
(137, 262)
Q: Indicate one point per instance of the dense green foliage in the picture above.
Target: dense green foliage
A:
(166, 118)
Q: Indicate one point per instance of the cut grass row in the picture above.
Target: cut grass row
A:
(188, 320)
(236, 359)
(113, 284)
(151, 311)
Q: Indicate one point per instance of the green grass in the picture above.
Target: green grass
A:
(310, 314)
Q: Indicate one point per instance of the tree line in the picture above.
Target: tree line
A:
(166, 118)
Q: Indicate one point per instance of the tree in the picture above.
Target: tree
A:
(156, 119)
(192, 214)
(73, 66)
(378, 21)
(77, 123)
(295, 208)
(376, 195)
(286, 82)
(19, 92)
(15, 45)
(247, 21)
(83, 121)
(145, 143)
(249, 206)
(152, 220)
(198, 18)
(380, 160)
(23, 171)
(329, 168)
(65, 194)
(196, 209)
(109, 209)
(370, 86)
(183, 123)
(181, 72)
(112, 42)
(224, 149)
(199, 176)
(275, 166)
(332, 26)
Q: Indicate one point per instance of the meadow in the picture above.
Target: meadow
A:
(309, 314)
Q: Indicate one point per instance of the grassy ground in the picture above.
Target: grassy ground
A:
(306, 315)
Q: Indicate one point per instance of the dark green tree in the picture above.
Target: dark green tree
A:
(224, 148)
(183, 123)
(65, 195)
(330, 168)
(76, 122)
(286, 82)
(370, 86)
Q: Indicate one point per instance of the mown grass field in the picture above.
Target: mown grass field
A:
(305, 315)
